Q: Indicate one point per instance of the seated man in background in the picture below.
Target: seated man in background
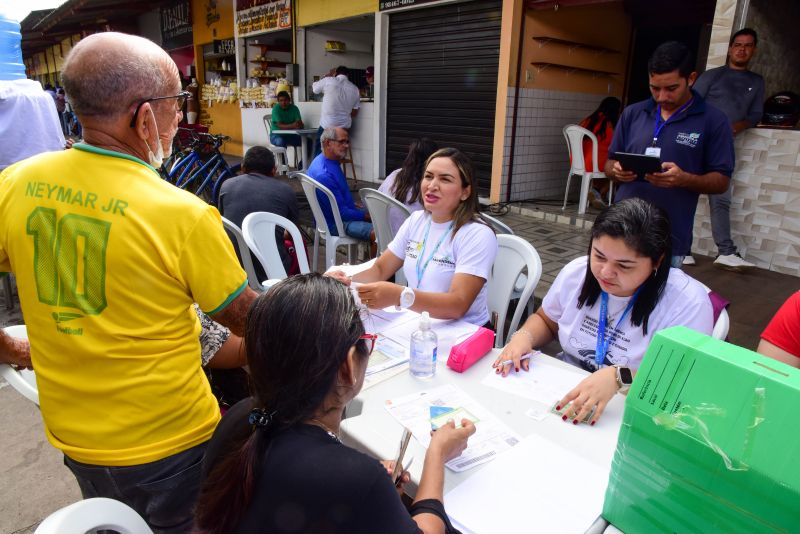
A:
(781, 338)
(256, 189)
(285, 116)
(326, 170)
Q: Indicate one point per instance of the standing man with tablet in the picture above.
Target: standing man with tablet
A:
(694, 142)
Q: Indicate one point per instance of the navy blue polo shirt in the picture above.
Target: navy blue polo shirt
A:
(698, 141)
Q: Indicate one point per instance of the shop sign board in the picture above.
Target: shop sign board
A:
(392, 4)
(176, 25)
(259, 16)
(224, 46)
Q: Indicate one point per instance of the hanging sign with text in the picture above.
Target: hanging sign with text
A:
(259, 16)
(176, 25)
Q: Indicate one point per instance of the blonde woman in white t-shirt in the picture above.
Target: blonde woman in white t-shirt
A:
(605, 307)
(445, 251)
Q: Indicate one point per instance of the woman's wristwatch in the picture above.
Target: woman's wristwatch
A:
(407, 298)
(624, 378)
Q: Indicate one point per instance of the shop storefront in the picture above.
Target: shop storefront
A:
(265, 54)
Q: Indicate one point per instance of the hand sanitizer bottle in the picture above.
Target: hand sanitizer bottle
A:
(423, 349)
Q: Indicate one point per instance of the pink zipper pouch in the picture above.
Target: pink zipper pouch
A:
(465, 354)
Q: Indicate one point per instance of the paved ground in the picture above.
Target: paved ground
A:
(35, 481)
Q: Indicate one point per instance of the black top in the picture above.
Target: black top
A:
(248, 193)
(309, 482)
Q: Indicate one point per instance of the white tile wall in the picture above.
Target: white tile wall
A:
(541, 159)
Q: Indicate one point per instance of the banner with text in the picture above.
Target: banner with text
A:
(259, 16)
(176, 25)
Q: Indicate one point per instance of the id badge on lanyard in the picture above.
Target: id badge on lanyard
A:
(653, 151)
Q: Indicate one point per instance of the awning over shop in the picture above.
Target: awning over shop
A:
(45, 28)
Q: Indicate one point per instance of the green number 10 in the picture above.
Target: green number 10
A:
(69, 259)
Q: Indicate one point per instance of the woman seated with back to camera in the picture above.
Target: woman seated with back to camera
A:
(276, 463)
(446, 252)
(403, 184)
(605, 307)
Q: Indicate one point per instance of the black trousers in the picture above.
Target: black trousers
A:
(163, 492)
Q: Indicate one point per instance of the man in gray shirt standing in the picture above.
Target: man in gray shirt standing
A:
(739, 93)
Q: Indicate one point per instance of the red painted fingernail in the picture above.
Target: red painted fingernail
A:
(564, 418)
(592, 423)
(558, 407)
(575, 421)
(516, 369)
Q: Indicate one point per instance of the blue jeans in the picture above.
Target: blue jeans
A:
(162, 492)
(284, 140)
(676, 261)
(318, 143)
(358, 229)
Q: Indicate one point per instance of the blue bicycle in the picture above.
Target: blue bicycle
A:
(203, 169)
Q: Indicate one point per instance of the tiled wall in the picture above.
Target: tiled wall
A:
(765, 210)
(541, 159)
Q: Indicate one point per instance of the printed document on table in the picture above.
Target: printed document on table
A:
(387, 353)
(554, 490)
(545, 382)
(448, 332)
(490, 439)
(381, 321)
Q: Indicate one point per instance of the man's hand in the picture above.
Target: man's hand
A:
(298, 125)
(672, 176)
(17, 352)
(619, 174)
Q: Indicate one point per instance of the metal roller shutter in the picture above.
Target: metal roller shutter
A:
(442, 81)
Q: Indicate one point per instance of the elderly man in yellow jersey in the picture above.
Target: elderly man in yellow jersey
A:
(109, 259)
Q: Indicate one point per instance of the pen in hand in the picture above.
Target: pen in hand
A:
(525, 357)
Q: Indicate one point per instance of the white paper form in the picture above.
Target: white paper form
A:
(448, 332)
(386, 354)
(544, 382)
(538, 486)
(490, 439)
(381, 321)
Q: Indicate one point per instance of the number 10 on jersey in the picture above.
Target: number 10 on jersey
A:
(69, 259)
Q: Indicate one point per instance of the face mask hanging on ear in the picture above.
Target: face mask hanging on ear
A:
(157, 159)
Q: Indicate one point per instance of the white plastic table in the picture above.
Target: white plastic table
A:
(305, 134)
(371, 429)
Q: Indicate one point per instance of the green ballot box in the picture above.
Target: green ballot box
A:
(709, 441)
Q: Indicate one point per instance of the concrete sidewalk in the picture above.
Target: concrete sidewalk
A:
(36, 483)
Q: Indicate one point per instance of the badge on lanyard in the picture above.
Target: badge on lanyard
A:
(653, 151)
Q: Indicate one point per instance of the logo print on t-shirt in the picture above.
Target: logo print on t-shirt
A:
(688, 139)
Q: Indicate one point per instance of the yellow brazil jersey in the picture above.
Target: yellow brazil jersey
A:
(109, 259)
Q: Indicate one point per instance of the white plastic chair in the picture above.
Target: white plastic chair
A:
(332, 242)
(500, 227)
(723, 323)
(379, 204)
(574, 135)
(514, 255)
(281, 157)
(23, 380)
(243, 249)
(91, 515)
(258, 229)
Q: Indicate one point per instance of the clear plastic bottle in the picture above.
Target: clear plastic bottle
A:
(424, 344)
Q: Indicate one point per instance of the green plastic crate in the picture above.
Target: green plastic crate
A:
(709, 441)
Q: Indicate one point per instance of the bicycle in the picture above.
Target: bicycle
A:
(204, 169)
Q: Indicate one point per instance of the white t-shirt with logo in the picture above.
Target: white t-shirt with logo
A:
(684, 302)
(471, 251)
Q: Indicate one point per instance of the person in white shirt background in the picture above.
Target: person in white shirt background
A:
(607, 306)
(445, 251)
(340, 102)
(403, 184)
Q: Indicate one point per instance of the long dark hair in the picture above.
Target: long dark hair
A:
(607, 112)
(645, 229)
(410, 175)
(297, 336)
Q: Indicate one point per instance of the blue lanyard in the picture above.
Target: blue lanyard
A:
(423, 266)
(660, 125)
(602, 342)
